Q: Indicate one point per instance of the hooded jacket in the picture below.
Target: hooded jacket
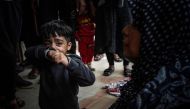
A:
(59, 85)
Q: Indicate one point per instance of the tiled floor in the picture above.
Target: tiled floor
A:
(92, 97)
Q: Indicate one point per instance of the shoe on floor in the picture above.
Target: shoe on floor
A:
(127, 72)
(98, 57)
(33, 74)
(108, 71)
(21, 83)
(117, 58)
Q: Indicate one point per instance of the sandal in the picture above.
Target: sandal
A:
(108, 71)
(33, 74)
(98, 57)
(117, 58)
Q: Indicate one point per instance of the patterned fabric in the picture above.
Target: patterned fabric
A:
(169, 89)
(164, 25)
(165, 40)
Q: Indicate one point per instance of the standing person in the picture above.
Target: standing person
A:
(85, 34)
(10, 27)
(160, 49)
(61, 73)
(29, 33)
(124, 17)
(111, 15)
(105, 32)
(59, 9)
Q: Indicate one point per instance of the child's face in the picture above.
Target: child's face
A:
(58, 43)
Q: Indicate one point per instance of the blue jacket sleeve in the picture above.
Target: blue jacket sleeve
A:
(36, 54)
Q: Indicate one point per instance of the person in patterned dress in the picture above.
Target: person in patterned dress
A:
(158, 43)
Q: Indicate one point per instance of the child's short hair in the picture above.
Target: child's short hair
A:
(56, 28)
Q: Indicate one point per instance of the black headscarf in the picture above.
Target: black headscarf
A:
(165, 34)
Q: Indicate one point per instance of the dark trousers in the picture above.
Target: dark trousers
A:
(110, 58)
(29, 33)
(10, 25)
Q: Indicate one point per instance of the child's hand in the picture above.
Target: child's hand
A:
(58, 57)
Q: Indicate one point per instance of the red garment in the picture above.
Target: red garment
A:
(85, 37)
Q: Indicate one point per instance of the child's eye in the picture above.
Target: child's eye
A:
(59, 43)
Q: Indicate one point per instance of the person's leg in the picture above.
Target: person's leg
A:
(29, 35)
(7, 78)
(10, 23)
(82, 46)
(127, 70)
(111, 68)
(90, 52)
(124, 18)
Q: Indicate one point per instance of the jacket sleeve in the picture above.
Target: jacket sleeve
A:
(36, 54)
(80, 73)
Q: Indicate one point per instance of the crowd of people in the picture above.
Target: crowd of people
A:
(154, 35)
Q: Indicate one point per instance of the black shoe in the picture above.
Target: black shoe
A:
(21, 83)
(108, 71)
(127, 72)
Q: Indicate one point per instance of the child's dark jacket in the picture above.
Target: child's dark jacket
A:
(59, 85)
